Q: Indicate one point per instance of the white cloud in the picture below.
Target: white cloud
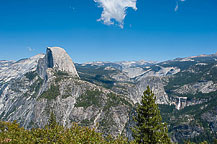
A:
(115, 10)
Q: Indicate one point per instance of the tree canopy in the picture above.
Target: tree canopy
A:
(149, 127)
(53, 133)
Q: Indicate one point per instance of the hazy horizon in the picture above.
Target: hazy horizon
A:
(137, 60)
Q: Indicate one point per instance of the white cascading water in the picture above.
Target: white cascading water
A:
(179, 104)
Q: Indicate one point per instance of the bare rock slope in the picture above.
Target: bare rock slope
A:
(50, 83)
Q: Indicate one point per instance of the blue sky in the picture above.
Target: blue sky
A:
(155, 31)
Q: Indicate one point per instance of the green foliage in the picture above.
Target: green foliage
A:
(35, 87)
(61, 73)
(52, 121)
(155, 68)
(97, 75)
(67, 93)
(177, 118)
(166, 111)
(31, 75)
(51, 93)
(181, 79)
(213, 74)
(188, 142)
(195, 73)
(183, 65)
(102, 80)
(89, 98)
(85, 122)
(57, 134)
(204, 138)
(12, 133)
(149, 128)
(114, 100)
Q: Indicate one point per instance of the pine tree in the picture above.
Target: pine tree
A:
(52, 120)
(149, 128)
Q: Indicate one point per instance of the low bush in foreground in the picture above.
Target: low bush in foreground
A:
(54, 134)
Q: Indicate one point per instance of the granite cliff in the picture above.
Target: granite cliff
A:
(103, 94)
(50, 83)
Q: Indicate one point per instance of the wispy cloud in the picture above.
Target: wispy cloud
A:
(30, 49)
(177, 4)
(115, 10)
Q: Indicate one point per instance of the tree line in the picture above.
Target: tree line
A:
(149, 129)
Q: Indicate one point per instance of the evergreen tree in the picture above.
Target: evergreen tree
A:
(149, 128)
(52, 120)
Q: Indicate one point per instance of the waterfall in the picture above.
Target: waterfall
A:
(179, 104)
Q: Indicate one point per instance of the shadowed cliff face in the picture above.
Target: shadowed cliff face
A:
(49, 59)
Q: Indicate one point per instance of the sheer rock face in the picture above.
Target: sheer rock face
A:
(57, 59)
(49, 83)
(155, 83)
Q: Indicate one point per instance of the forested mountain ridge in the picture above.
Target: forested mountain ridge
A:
(105, 93)
(186, 89)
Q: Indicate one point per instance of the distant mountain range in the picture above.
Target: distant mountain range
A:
(106, 92)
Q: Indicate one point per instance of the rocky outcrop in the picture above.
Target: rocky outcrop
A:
(203, 87)
(51, 84)
(211, 118)
(155, 83)
(57, 59)
(133, 72)
(12, 70)
(186, 131)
